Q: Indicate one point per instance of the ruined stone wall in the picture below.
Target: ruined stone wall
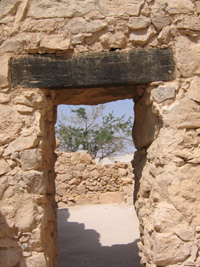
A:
(166, 130)
(80, 180)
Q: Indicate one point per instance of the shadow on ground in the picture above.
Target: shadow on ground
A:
(80, 247)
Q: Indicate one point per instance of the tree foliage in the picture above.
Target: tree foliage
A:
(98, 134)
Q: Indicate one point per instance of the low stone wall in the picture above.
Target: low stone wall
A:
(80, 180)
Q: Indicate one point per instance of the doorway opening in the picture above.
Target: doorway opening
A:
(91, 234)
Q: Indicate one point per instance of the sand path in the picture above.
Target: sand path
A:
(98, 236)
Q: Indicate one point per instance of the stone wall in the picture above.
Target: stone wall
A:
(80, 180)
(166, 130)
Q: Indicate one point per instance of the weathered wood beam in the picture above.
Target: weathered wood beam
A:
(106, 69)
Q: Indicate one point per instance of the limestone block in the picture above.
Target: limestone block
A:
(160, 21)
(144, 125)
(55, 42)
(30, 98)
(4, 98)
(6, 6)
(21, 143)
(25, 212)
(36, 260)
(122, 172)
(43, 25)
(185, 232)
(111, 198)
(113, 40)
(85, 158)
(142, 36)
(184, 114)
(80, 167)
(31, 159)
(137, 23)
(169, 249)
(50, 9)
(7, 242)
(188, 56)
(80, 25)
(94, 174)
(35, 240)
(35, 180)
(166, 217)
(193, 91)
(4, 60)
(120, 7)
(198, 7)
(190, 22)
(161, 93)
(10, 124)
(10, 257)
(4, 186)
(4, 167)
(179, 6)
(12, 45)
(77, 39)
(23, 109)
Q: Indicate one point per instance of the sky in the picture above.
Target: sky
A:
(119, 108)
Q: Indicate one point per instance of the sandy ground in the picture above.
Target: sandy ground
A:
(98, 236)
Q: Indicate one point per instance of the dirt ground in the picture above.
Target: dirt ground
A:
(98, 236)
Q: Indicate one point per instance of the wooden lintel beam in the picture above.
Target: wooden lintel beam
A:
(92, 70)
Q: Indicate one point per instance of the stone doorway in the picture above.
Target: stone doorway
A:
(156, 107)
(115, 194)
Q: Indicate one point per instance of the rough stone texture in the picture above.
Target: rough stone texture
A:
(80, 180)
(166, 131)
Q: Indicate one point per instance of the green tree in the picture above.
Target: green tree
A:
(98, 134)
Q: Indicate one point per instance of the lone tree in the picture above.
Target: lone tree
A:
(99, 135)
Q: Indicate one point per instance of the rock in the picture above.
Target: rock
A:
(10, 124)
(198, 7)
(25, 212)
(12, 45)
(6, 6)
(113, 40)
(111, 198)
(179, 6)
(54, 42)
(169, 249)
(4, 62)
(165, 217)
(31, 159)
(4, 186)
(23, 109)
(188, 56)
(21, 143)
(142, 36)
(85, 158)
(160, 21)
(10, 257)
(80, 25)
(191, 22)
(36, 260)
(185, 233)
(121, 7)
(4, 167)
(35, 180)
(193, 91)
(137, 23)
(161, 94)
(48, 9)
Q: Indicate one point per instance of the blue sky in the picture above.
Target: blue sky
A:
(119, 108)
